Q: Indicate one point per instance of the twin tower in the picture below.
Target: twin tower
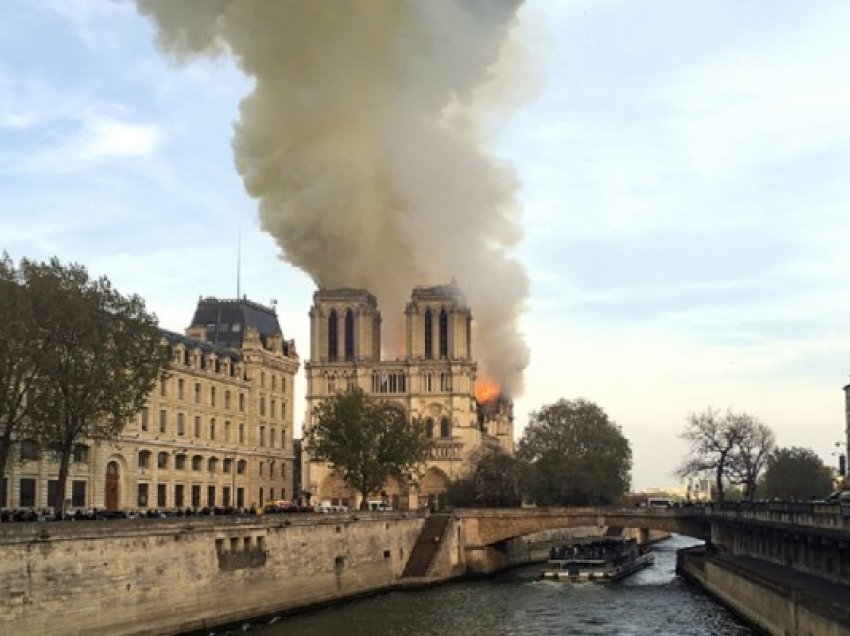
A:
(435, 380)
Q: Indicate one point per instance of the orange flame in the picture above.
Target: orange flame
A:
(486, 391)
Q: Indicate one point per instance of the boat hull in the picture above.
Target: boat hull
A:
(600, 575)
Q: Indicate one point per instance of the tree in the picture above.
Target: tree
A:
(577, 456)
(106, 353)
(21, 353)
(494, 480)
(367, 441)
(795, 473)
(756, 443)
(732, 447)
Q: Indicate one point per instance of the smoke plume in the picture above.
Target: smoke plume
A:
(363, 142)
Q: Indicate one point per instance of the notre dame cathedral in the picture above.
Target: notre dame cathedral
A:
(435, 380)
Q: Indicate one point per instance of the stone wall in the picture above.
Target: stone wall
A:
(176, 575)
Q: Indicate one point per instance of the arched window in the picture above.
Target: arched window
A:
(429, 335)
(241, 465)
(197, 461)
(144, 458)
(162, 460)
(212, 464)
(445, 428)
(444, 334)
(429, 427)
(349, 335)
(180, 461)
(227, 465)
(332, 336)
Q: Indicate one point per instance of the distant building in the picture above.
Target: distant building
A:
(216, 430)
(435, 380)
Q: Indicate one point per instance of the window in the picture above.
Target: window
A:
(178, 495)
(212, 428)
(226, 465)
(142, 498)
(211, 496)
(429, 427)
(78, 494)
(274, 382)
(144, 458)
(332, 336)
(272, 409)
(212, 464)
(162, 421)
(444, 334)
(162, 460)
(180, 462)
(349, 335)
(242, 402)
(162, 381)
(197, 460)
(29, 450)
(226, 430)
(261, 499)
(81, 454)
(272, 437)
(27, 493)
(212, 396)
(197, 428)
(225, 496)
(143, 419)
(53, 493)
(262, 468)
(429, 335)
(196, 496)
(262, 436)
(160, 495)
(445, 428)
(181, 424)
(283, 384)
(271, 474)
(197, 392)
(241, 465)
(263, 379)
(262, 406)
(240, 497)
(227, 400)
(181, 385)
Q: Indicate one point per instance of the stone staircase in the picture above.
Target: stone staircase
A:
(426, 546)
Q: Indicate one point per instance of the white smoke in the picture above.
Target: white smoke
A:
(362, 141)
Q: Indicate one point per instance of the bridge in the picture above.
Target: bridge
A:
(805, 537)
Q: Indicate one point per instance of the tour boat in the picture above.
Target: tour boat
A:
(600, 561)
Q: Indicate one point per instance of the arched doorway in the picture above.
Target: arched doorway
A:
(113, 486)
(432, 489)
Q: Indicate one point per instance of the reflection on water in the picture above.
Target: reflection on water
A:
(651, 601)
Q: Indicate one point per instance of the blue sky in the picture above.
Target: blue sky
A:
(683, 184)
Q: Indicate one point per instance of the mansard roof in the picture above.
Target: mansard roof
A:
(173, 338)
(225, 320)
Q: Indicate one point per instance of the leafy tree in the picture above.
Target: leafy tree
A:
(494, 480)
(577, 456)
(367, 441)
(795, 473)
(106, 353)
(21, 351)
(732, 447)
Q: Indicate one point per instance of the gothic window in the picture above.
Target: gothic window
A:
(428, 381)
(349, 335)
(445, 428)
(444, 334)
(332, 336)
(429, 427)
(445, 381)
(429, 335)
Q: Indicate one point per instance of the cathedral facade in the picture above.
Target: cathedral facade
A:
(216, 430)
(434, 380)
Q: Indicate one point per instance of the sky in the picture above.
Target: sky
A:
(682, 173)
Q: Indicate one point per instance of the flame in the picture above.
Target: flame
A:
(485, 390)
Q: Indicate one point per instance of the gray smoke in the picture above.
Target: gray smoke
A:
(363, 142)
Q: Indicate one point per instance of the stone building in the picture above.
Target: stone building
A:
(216, 430)
(435, 380)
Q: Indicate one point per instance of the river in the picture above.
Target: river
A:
(653, 601)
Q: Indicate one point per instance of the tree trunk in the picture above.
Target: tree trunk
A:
(5, 448)
(64, 464)
(720, 467)
(364, 501)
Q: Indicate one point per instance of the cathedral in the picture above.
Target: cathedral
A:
(435, 380)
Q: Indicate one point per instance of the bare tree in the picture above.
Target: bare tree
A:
(712, 438)
(755, 444)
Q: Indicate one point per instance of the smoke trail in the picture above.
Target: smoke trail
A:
(362, 142)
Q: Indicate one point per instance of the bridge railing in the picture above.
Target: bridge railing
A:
(802, 513)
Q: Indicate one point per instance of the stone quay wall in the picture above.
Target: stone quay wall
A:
(171, 576)
(765, 600)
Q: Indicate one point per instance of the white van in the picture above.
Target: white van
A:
(659, 502)
(378, 506)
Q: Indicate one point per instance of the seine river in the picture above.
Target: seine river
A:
(653, 601)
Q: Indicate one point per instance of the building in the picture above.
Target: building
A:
(216, 430)
(435, 380)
